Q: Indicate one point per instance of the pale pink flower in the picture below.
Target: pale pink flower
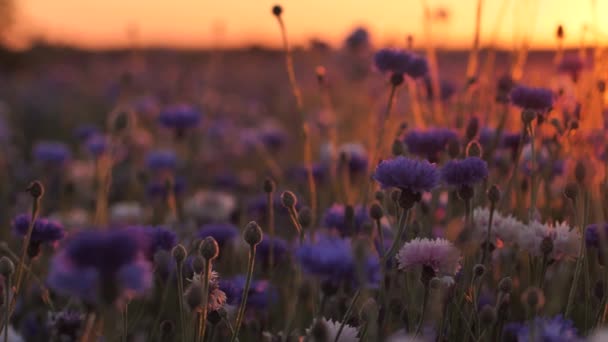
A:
(438, 254)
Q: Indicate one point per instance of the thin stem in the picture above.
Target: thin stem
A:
(425, 299)
(88, 327)
(506, 199)
(180, 301)
(203, 317)
(404, 219)
(532, 176)
(26, 244)
(577, 272)
(7, 308)
(381, 236)
(486, 250)
(349, 310)
(243, 305)
(270, 215)
(125, 323)
(293, 216)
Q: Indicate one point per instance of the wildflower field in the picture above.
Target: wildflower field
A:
(328, 194)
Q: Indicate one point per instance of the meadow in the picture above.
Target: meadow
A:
(349, 193)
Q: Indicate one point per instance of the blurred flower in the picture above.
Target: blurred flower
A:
(571, 65)
(596, 234)
(355, 157)
(565, 241)
(334, 218)
(358, 39)
(299, 174)
(216, 297)
(400, 62)
(97, 144)
(406, 173)
(101, 266)
(280, 250)
(543, 329)
(179, 117)
(429, 143)
(504, 85)
(505, 229)
(464, 172)
(210, 206)
(44, 230)
(157, 189)
(440, 255)
(65, 325)
(85, 131)
(446, 89)
(161, 160)
(261, 294)
(154, 239)
(331, 328)
(539, 99)
(125, 213)
(221, 232)
(51, 153)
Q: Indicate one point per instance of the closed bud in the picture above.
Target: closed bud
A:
(505, 285)
(560, 32)
(305, 217)
(527, 116)
(7, 267)
(269, 186)
(435, 283)
(474, 149)
(253, 233)
(289, 199)
(376, 212)
(35, 189)
(571, 191)
(209, 248)
(167, 330)
(465, 192)
(533, 298)
(396, 79)
(487, 316)
(198, 264)
(479, 270)
(574, 125)
(179, 253)
(494, 194)
(277, 10)
(398, 148)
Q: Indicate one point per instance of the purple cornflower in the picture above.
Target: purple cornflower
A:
(216, 296)
(97, 144)
(272, 137)
(261, 294)
(179, 117)
(158, 189)
(438, 255)
(221, 232)
(354, 157)
(446, 89)
(44, 231)
(85, 131)
(537, 99)
(331, 259)
(596, 234)
(334, 218)
(542, 329)
(407, 174)
(464, 172)
(101, 266)
(280, 250)
(358, 39)
(66, 325)
(571, 65)
(161, 160)
(429, 143)
(52, 153)
(400, 62)
(299, 174)
(154, 239)
(503, 88)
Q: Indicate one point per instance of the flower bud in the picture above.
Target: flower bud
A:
(435, 283)
(376, 212)
(253, 233)
(396, 79)
(289, 199)
(505, 285)
(194, 296)
(527, 116)
(472, 128)
(494, 194)
(533, 298)
(277, 10)
(7, 267)
(479, 270)
(209, 248)
(319, 331)
(379, 196)
(179, 253)
(269, 186)
(305, 217)
(474, 149)
(35, 189)
(369, 310)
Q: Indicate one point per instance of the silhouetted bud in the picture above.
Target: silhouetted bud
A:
(253, 233)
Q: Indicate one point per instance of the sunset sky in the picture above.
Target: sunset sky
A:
(229, 23)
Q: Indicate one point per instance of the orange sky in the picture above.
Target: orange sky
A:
(195, 23)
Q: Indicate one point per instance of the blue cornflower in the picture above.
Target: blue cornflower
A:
(355, 157)
(52, 152)
(504, 85)
(66, 325)
(429, 143)
(101, 266)
(44, 231)
(280, 249)
(331, 258)
(542, 329)
(446, 89)
(407, 174)
(334, 219)
(97, 144)
(179, 117)
(572, 65)
(392, 60)
(538, 99)
(358, 39)
(417, 67)
(272, 137)
(299, 174)
(161, 160)
(221, 232)
(85, 131)
(154, 239)
(464, 172)
(261, 294)
(159, 189)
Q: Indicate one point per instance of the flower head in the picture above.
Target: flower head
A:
(98, 266)
(358, 39)
(405, 173)
(465, 172)
(280, 249)
(221, 232)
(330, 330)
(334, 218)
(440, 255)
(161, 160)
(97, 144)
(556, 329)
(572, 65)
(400, 62)
(538, 99)
(180, 116)
(216, 297)
(44, 230)
(52, 153)
(596, 234)
(261, 293)
(429, 143)
(355, 157)
(154, 239)
(505, 229)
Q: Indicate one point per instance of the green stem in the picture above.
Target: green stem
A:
(349, 310)
(203, 317)
(7, 308)
(403, 220)
(506, 199)
(125, 323)
(577, 271)
(486, 250)
(180, 301)
(243, 305)
(532, 176)
(425, 299)
(270, 214)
